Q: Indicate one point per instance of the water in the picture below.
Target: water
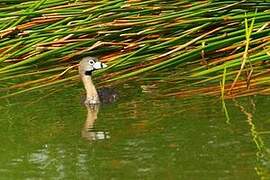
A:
(138, 137)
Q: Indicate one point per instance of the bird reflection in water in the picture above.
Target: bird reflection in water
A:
(88, 131)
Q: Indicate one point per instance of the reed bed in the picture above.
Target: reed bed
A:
(183, 46)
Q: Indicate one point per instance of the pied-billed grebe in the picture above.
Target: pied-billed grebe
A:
(105, 95)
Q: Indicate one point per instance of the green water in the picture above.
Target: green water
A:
(138, 137)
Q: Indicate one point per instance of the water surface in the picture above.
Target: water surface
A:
(141, 136)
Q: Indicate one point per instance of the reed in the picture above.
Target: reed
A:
(191, 42)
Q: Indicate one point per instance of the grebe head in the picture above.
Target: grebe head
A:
(89, 64)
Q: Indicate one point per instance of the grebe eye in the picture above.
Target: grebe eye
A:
(91, 62)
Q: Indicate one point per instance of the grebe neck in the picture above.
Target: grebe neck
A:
(91, 92)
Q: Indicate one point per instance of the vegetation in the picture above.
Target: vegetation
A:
(168, 43)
